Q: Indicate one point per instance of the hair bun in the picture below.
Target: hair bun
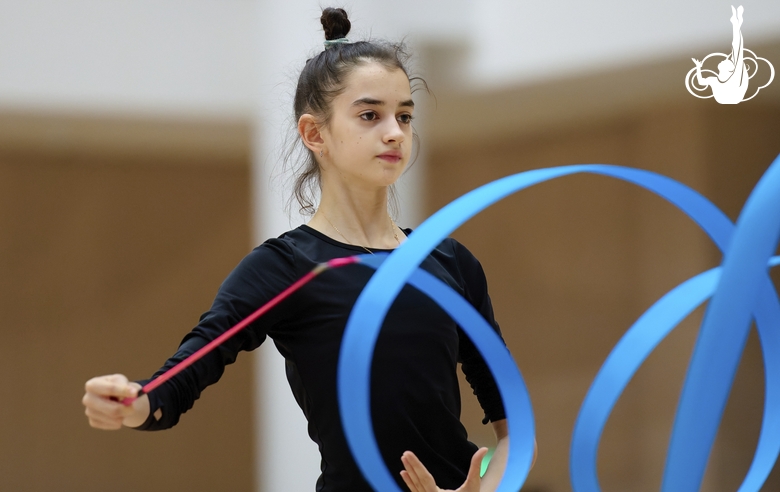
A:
(335, 23)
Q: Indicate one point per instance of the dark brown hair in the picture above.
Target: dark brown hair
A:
(320, 81)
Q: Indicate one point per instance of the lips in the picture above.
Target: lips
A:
(391, 156)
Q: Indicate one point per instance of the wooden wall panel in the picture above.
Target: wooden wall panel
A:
(107, 259)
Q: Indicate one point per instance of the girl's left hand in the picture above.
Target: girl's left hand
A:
(418, 479)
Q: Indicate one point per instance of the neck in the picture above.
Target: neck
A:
(358, 217)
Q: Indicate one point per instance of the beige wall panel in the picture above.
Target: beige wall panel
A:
(104, 269)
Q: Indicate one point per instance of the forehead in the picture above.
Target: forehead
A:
(376, 81)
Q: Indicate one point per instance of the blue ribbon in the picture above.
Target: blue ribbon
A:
(722, 335)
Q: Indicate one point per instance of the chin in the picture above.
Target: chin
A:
(391, 178)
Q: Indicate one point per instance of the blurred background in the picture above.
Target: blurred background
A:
(139, 162)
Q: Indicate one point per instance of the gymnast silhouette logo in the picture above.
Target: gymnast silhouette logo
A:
(735, 70)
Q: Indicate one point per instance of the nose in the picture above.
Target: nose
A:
(394, 133)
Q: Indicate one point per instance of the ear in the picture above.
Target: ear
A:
(309, 130)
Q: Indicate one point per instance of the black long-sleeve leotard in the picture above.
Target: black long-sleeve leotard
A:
(415, 401)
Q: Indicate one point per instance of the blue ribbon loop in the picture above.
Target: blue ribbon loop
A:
(744, 290)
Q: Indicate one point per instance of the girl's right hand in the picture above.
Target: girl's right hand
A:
(102, 399)
(419, 479)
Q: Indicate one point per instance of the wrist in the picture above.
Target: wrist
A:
(140, 410)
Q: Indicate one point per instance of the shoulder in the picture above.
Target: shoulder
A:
(275, 256)
(450, 250)
(468, 266)
(274, 249)
(460, 262)
(463, 256)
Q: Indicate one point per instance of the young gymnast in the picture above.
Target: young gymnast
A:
(354, 107)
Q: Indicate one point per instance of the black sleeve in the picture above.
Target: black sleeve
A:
(260, 276)
(476, 371)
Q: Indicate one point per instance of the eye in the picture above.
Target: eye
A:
(405, 118)
(368, 116)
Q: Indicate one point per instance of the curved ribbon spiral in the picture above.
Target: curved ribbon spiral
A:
(740, 289)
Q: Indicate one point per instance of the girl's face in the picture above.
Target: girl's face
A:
(368, 140)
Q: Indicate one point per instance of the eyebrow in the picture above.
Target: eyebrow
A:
(376, 102)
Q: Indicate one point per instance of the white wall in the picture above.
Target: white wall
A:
(521, 41)
(147, 56)
(201, 57)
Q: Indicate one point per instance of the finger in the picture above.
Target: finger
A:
(476, 466)
(105, 406)
(101, 421)
(93, 414)
(411, 473)
(129, 400)
(114, 385)
(408, 481)
(420, 475)
(104, 425)
(102, 385)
